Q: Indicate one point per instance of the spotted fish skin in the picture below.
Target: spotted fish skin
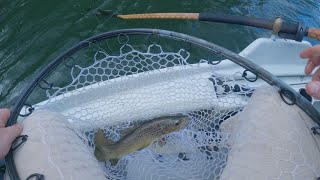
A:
(138, 138)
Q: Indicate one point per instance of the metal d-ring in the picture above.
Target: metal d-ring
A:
(211, 61)
(16, 145)
(289, 95)
(316, 130)
(124, 42)
(37, 176)
(47, 83)
(94, 43)
(66, 60)
(244, 75)
(30, 109)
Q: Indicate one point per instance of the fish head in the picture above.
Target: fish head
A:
(175, 123)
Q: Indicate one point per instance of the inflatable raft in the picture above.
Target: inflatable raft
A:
(240, 128)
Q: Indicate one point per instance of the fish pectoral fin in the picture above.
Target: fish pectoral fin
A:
(101, 140)
(114, 162)
(161, 143)
(109, 142)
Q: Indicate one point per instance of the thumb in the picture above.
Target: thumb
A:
(13, 132)
(313, 89)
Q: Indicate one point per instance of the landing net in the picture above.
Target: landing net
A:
(119, 80)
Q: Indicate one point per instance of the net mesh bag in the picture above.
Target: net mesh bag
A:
(119, 81)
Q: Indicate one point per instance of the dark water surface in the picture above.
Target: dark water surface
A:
(32, 33)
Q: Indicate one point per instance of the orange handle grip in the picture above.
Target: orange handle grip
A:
(314, 33)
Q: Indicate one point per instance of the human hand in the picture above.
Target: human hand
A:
(7, 134)
(313, 53)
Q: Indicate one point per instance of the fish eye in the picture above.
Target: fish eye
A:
(177, 123)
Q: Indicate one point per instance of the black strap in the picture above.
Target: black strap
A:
(316, 130)
(16, 144)
(30, 110)
(37, 176)
(288, 94)
(245, 74)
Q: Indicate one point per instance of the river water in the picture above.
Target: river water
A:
(32, 33)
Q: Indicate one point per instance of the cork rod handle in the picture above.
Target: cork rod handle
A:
(193, 16)
(314, 33)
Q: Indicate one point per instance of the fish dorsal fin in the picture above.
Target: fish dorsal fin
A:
(126, 131)
(99, 138)
(129, 130)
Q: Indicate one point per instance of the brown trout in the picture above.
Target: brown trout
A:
(138, 138)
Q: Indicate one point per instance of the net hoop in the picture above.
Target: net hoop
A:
(261, 73)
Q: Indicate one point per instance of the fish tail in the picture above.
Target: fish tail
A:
(101, 151)
(99, 154)
(99, 138)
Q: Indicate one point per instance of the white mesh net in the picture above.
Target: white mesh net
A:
(124, 90)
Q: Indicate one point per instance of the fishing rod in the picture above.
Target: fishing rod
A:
(287, 30)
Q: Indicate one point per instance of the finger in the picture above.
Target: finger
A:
(4, 116)
(311, 52)
(309, 67)
(311, 64)
(316, 75)
(313, 89)
(13, 132)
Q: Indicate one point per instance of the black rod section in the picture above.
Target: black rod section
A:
(289, 28)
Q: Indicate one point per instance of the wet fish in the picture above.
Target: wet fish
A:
(138, 138)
